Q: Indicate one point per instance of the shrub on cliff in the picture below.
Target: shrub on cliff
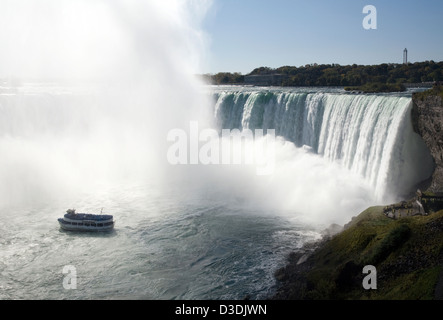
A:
(389, 244)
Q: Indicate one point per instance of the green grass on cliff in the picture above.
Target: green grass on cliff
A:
(406, 253)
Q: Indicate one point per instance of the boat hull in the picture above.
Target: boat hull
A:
(89, 226)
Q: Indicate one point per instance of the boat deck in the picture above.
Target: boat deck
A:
(88, 216)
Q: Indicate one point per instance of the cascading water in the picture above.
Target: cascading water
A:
(191, 232)
(370, 135)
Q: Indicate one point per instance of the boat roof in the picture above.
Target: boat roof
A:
(88, 216)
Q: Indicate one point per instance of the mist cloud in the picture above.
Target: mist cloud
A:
(136, 60)
(63, 38)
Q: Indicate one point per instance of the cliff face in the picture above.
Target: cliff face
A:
(427, 118)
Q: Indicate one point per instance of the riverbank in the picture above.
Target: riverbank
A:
(377, 87)
(407, 254)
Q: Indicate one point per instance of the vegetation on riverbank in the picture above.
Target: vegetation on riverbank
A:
(224, 78)
(378, 87)
(437, 90)
(343, 76)
(406, 254)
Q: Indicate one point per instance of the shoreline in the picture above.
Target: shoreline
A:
(407, 254)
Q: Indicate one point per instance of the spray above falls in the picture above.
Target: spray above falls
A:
(89, 90)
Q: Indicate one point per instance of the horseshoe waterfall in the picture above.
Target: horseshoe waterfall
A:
(369, 135)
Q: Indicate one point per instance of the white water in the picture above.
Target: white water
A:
(190, 232)
(369, 135)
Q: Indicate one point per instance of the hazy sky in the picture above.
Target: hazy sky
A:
(101, 38)
(245, 34)
(63, 38)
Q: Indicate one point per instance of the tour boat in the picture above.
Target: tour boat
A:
(73, 221)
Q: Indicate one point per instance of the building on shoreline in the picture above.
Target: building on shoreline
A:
(422, 205)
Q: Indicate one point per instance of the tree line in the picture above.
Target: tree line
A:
(337, 75)
(224, 78)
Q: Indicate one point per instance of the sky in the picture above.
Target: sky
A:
(81, 38)
(246, 34)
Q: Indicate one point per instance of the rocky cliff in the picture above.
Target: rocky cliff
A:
(427, 118)
(407, 254)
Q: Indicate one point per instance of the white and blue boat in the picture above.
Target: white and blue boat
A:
(73, 221)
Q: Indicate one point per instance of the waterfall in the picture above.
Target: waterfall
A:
(370, 135)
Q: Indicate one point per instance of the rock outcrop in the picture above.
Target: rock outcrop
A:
(407, 255)
(427, 118)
